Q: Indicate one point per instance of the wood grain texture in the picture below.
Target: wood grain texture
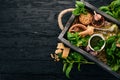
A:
(28, 34)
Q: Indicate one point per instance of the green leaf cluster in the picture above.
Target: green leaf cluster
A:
(80, 8)
(113, 9)
(77, 40)
(99, 44)
(73, 58)
(113, 52)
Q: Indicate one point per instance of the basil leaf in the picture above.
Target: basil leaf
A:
(79, 66)
(80, 8)
(79, 4)
(113, 46)
(110, 39)
(109, 13)
(118, 54)
(76, 11)
(69, 69)
(115, 67)
(64, 67)
(104, 8)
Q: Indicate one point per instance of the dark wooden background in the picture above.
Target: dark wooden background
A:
(28, 34)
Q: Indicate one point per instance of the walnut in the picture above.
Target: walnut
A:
(86, 18)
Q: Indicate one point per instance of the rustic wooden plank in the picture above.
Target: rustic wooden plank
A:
(23, 16)
(29, 66)
(28, 69)
(25, 53)
(32, 77)
(26, 66)
(48, 77)
(30, 28)
(34, 3)
(45, 3)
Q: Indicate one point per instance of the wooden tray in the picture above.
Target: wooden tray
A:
(63, 39)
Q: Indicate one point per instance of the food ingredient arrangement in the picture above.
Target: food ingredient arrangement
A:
(89, 23)
(93, 33)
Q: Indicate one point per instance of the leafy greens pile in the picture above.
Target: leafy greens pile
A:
(73, 58)
(80, 8)
(77, 40)
(112, 9)
(113, 52)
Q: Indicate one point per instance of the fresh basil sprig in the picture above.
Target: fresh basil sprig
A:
(80, 8)
(73, 58)
(77, 40)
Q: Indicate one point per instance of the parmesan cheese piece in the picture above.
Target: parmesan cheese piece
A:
(60, 46)
(65, 52)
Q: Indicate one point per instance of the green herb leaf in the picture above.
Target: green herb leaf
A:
(80, 4)
(104, 8)
(80, 8)
(111, 39)
(79, 66)
(96, 48)
(118, 54)
(109, 13)
(113, 46)
(69, 69)
(115, 67)
(64, 67)
(76, 11)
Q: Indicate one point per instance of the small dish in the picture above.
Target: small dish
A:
(96, 42)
